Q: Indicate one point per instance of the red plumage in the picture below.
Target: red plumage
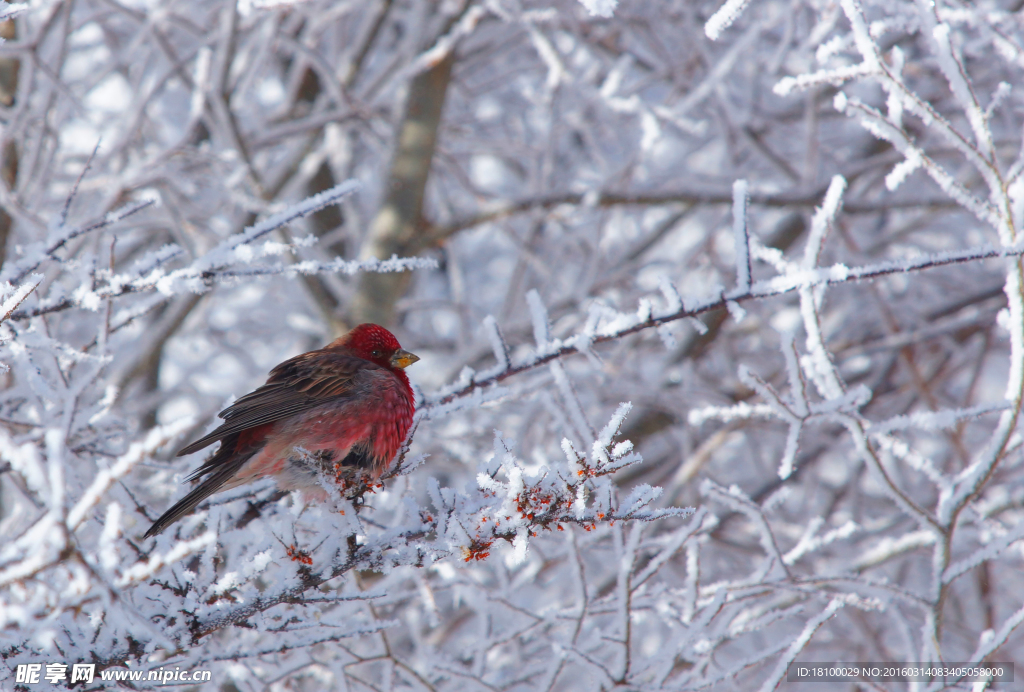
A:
(349, 403)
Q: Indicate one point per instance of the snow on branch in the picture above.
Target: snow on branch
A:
(228, 251)
(834, 77)
(935, 420)
(801, 641)
(724, 17)
(231, 260)
(600, 8)
(741, 235)
(775, 565)
(13, 9)
(34, 255)
(539, 318)
(988, 552)
(870, 457)
(798, 279)
(511, 505)
(498, 344)
(874, 122)
(16, 296)
(991, 641)
(156, 438)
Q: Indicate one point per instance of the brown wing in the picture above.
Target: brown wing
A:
(220, 467)
(299, 384)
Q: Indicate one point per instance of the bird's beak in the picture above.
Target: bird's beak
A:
(403, 359)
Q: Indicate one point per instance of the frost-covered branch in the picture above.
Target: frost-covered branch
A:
(845, 423)
(623, 325)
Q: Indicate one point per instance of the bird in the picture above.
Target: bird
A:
(349, 403)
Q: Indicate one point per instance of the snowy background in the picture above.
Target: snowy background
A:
(720, 311)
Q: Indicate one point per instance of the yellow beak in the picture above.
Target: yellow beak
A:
(403, 359)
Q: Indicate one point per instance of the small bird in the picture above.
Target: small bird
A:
(349, 403)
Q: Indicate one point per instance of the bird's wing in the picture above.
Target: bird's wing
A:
(299, 384)
(220, 472)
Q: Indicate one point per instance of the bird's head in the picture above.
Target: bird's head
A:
(378, 345)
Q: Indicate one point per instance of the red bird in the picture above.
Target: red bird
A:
(349, 402)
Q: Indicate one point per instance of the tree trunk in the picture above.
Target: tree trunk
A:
(399, 220)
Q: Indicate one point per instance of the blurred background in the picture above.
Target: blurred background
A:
(587, 152)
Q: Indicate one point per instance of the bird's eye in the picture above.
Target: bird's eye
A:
(376, 353)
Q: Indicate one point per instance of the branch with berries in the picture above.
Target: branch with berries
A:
(512, 504)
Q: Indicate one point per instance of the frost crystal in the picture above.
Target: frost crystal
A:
(720, 326)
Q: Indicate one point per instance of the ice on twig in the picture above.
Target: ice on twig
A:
(741, 236)
(673, 301)
(724, 17)
(600, 8)
(539, 319)
(498, 345)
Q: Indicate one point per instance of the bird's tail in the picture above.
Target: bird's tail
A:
(221, 473)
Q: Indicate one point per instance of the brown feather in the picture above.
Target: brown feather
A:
(222, 466)
(299, 384)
